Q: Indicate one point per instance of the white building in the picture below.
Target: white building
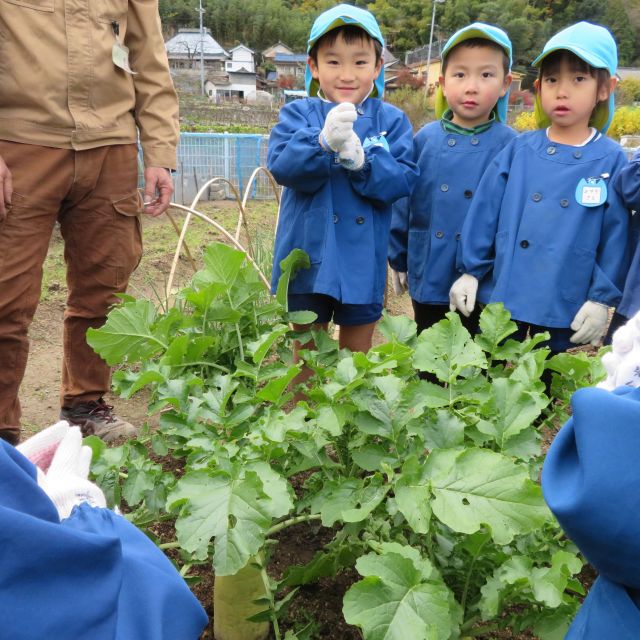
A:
(183, 50)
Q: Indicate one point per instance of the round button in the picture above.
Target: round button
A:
(439, 234)
(474, 141)
(335, 217)
(524, 244)
(536, 197)
(444, 187)
(564, 203)
(577, 154)
(468, 193)
(359, 220)
(551, 150)
(360, 111)
(458, 236)
(451, 142)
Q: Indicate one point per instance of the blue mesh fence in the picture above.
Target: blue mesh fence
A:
(202, 156)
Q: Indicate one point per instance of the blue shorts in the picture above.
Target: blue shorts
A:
(328, 308)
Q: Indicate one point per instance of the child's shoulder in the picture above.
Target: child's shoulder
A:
(300, 106)
(375, 105)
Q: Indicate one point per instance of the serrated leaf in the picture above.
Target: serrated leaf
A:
(222, 265)
(234, 510)
(394, 602)
(447, 350)
(512, 408)
(476, 486)
(445, 432)
(495, 326)
(400, 328)
(302, 317)
(370, 457)
(128, 334)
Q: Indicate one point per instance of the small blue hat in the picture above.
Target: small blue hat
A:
(593, 44)
(486, 32)
(338, 16)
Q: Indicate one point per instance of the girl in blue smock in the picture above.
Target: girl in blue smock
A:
(547, 233)
(343, 156)
(452, 154)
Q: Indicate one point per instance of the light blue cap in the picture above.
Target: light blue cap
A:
(486, 32)
(338, 16)
(593, 44)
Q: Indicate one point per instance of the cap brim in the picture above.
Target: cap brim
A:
(587, 56)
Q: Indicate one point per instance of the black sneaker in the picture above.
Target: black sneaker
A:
(97, 418)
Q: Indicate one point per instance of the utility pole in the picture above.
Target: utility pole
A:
(433, 21)
(201, 11)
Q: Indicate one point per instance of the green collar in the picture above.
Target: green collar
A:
(451, 127)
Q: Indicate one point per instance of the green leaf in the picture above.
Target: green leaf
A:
(447, 350)
(445, 432)
(259, 348)
(273, 390)
(370, 457)
(128, 334)
(302, 317)
(222, 265)
(296, 260)
(495, 326)
(233, 509)
(511, 408)
(394, 602)
(399, 328)
(413, 496)
(476, 486)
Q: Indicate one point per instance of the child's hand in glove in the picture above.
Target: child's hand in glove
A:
(338, 126)
(352, 155)
(590, 323)
(66, 483)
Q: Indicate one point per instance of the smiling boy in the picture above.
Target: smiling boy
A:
(343, 156)
(452, 154)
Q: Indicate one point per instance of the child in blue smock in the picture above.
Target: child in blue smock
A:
(547, 234)
(591, 483)
(452, 154)
(628, 185)
(70, 568)
(343, 156)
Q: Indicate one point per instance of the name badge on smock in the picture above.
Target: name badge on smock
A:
(591, 192)
(376, 141)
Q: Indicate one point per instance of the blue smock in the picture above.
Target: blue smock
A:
(591, 483)
(339, 217)
(628, 185)
(93, 576)
(425, 228)
(529, 241)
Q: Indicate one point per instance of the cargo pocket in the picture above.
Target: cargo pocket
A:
(128, 231)
(38, 5)
(110, 10)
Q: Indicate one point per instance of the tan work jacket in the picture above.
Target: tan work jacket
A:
(59, 86)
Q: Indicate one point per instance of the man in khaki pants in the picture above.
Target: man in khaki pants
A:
(79, 80)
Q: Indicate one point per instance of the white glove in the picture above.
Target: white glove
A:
(338, 126)
(622, 363)
(41, 448)
(66, 483)
(352, 154)
(399, 282)
(462, 295)
(590, 323)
